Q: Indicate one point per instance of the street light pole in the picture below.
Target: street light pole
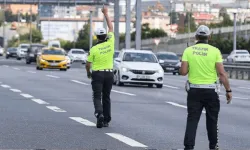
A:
(235, 36)
(128, 22)
(31, 23)
(138, 24)
(4, 20)
(90, 30)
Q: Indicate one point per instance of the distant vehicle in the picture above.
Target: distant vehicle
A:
(1, 51)
(52, 58)
(116, 54)
(239, 56)
(78, 55)
(11, 52)
(32, 52)
(139, 67)
(169, 61)
(13, 26)
(22, 51)
(54, 43)
(1, 41)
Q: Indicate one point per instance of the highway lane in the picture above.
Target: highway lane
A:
(144, 117)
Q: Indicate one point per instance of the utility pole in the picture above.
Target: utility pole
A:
(90, 30)
(235, 36)
(117, 22)
(138, 24)
(128, 21)
(4, 20)
(31, 23)
(76, 29)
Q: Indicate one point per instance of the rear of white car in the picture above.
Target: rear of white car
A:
(143, 68)
(22, 51)
(1, 51)
(78, 55)
(239, 56)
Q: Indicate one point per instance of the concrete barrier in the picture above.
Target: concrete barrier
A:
(238, 72)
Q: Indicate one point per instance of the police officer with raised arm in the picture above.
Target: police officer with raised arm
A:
(100, 61)
(203, 63)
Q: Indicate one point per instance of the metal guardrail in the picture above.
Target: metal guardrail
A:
(238, 72)
(237, 64)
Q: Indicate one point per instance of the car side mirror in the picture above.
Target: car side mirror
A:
(118, 59)
(161, 61)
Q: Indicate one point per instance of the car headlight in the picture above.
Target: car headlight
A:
(125, 69)
(8, 53)
(160, 71)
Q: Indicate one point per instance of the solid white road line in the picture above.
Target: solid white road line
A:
(79, 82)
(5, 86)
(26, 95)
(56, 109)
(16, 90)
(52, 76)
(16, 68)
(120, 92)
(236, 97)
(126, 140)
(39, 101)
(173, 87)
(182, 106)
(31, 71)
(248, 88)
(83, 121)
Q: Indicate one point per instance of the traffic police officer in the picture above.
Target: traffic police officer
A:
(202, 62)
(101, 59)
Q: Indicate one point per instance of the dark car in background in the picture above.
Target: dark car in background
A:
(169, 61)
(32, 52)
(116, 54)
(11, 52)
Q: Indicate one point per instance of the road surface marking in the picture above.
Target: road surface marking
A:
(236, 97)
(130, 94)
(5, 86)
(83, 121)
(5, 66)
(26, 95)
(248, 88)
(79, 82)
(16, 68)
(39, 101)
(182, 106)
(56, 109)
(52, 76)
(31, 71)
(126, 140)
(173, 87)
(16, 90)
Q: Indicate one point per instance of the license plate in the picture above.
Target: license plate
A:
(53, 64)
(32, 55)
(143, 77)
(169, 68)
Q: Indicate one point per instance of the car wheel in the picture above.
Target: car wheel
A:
(159, 86)
(18, 58)
(38, 68)
(63, 69)
(118, 82)
(174, 73)
(7, 57)
(28, 62)
(150, 85)
(68, 67)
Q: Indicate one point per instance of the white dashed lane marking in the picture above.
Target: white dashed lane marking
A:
(5, 86)
(39, 101)
(52, 76)
(236, 97)
(172, 87)
(247, 88)
(126, 140)
(125, 93)
(55, 109)
(26, 95)
(31, 71)
(5, 65)
(16, 68)
(182, 106)
(79, 82)
(83, 121)
(16, 90)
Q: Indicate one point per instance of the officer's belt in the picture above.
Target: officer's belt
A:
(203, 86)
(104, 70)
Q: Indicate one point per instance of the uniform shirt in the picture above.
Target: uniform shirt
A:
(202, 59)
(101, 55)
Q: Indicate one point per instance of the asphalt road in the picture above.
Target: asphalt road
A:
(52, 109)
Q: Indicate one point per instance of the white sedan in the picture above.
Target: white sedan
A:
(239, 56)
(138, 67)
(78, 55)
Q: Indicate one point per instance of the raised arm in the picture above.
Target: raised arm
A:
(110, 25)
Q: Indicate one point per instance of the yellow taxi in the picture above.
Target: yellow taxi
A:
(52, 58)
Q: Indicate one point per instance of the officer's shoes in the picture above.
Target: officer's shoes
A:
(105, 124)
(100, 119)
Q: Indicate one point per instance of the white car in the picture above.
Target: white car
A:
(22, 51)
(139, 67)
(239, 56)
(1, 51)
(78, 55)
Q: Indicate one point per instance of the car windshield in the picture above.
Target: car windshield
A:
(242, 53)
(24, 46)
(36, 48)
(12, 49)
(55, 45)
(139, 57)
(52, 52)
(116, 54)
(167, 57)
(78, 52)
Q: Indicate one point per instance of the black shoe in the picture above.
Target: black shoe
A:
(100, 119)
(105, 124)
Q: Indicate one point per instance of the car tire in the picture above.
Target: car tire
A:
(150, 85)
(118, 82)
(18, 58)
(159, 86)
(28, 62)
(63, 69)
(174, 73)
(68, 67)
(7, 57)
(38, 68)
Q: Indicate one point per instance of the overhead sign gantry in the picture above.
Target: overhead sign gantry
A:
(79, 2)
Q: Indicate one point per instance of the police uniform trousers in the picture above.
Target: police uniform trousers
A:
(198, 99)
(102, 82)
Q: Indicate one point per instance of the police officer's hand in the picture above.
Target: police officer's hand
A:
(229, 97)
(89, 75)
(104, 10)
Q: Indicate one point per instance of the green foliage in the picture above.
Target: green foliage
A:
(225, 22)
(174, 17)
(188, 18)
(14, 17)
